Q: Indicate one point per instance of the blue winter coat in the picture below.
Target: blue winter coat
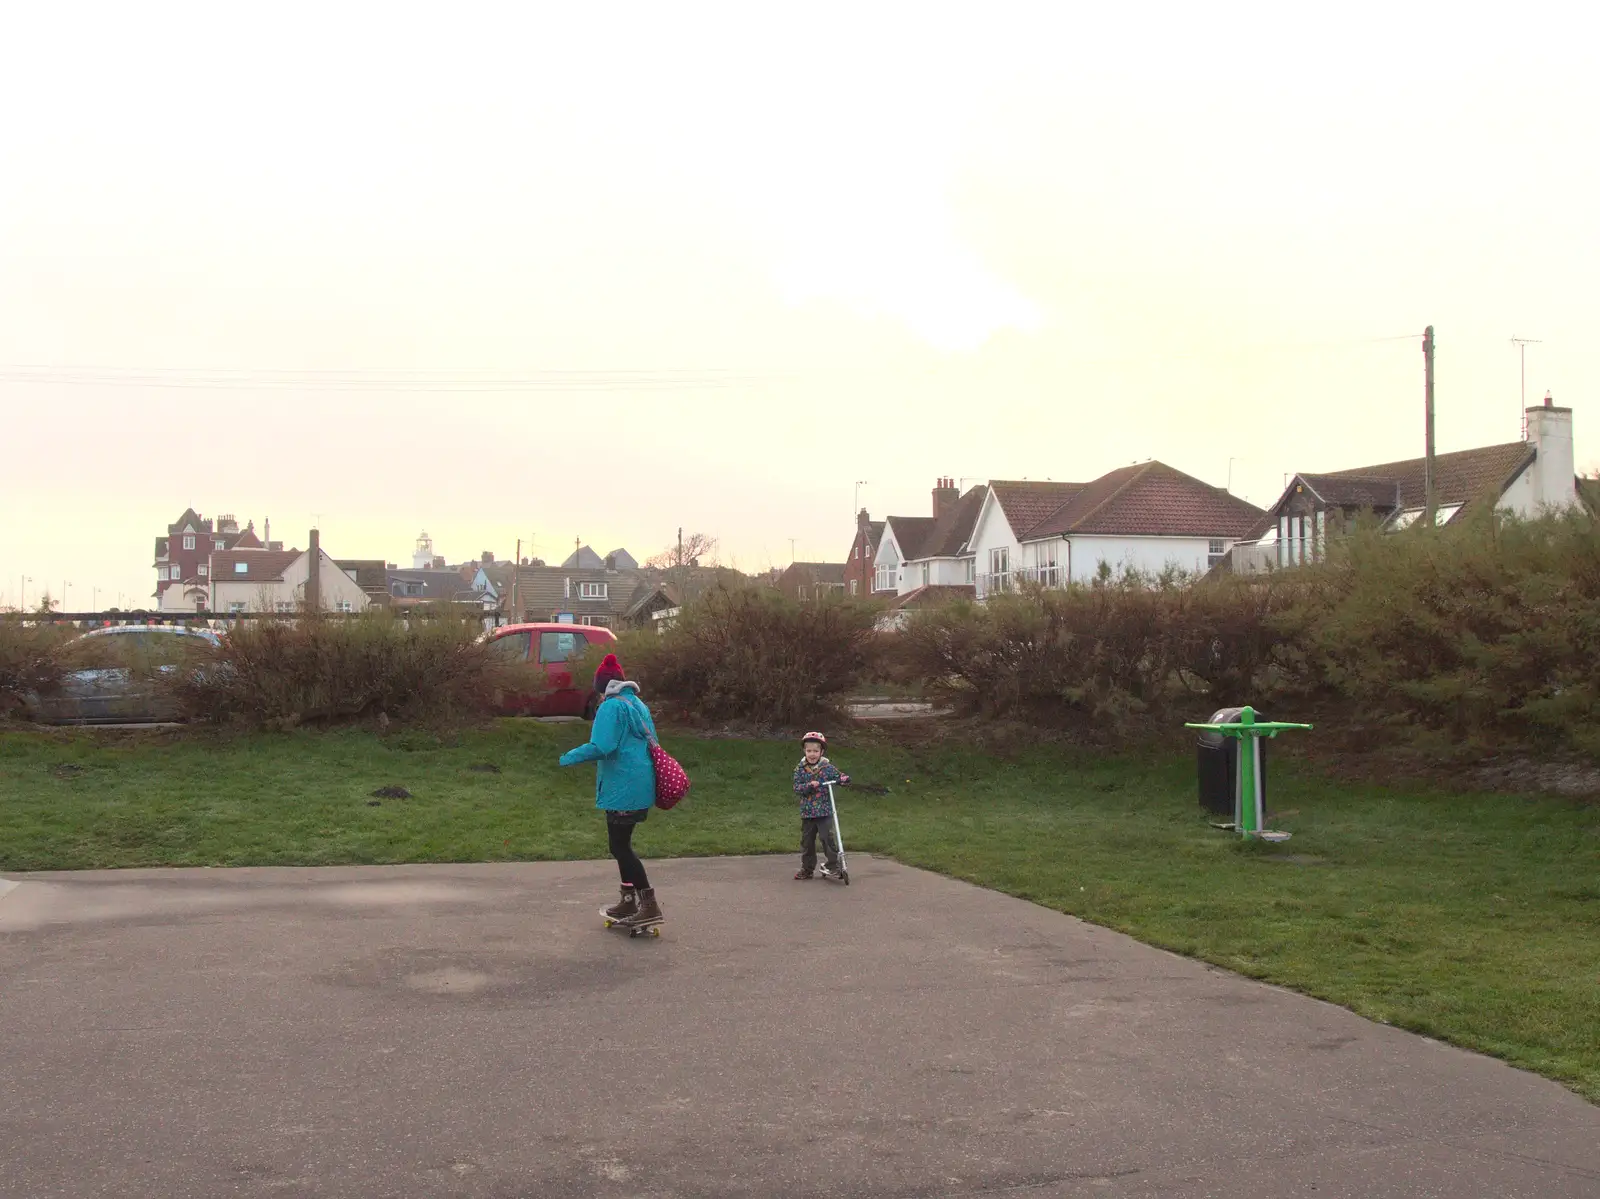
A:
(619, 741)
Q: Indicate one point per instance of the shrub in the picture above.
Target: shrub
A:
(30, 662)
(1489, 628)
(1132, 648)
(325, 669)
(752, 654)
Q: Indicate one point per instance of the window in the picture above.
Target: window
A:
(1049, 565)
(344, 606)
(1000, 569)
(236, 607)
(174, 572)
(283, 606)
(513, 647)
(204, 570)
(801, 591)
(1216, 551)
(241, 568)
(592, 591)
(188, 543)
(883, 578)
(972, 571)
(599, 622)
(561, 647)
(218, 543)
(853, 586)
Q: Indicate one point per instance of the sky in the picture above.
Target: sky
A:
(561, 274)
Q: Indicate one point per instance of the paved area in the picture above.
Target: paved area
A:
(473, 1031)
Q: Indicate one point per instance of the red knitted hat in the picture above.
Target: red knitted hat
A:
(610, 669)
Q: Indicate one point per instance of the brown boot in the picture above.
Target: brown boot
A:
(649, 912)
(628, 906)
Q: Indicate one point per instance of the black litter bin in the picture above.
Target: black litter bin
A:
(1218, 761)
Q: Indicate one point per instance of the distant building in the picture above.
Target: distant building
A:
(812, 580)
(584, 558)
(182, 557)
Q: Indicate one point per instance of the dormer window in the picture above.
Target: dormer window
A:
(218, 543)
(592, 591)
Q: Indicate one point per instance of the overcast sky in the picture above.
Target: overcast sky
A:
(530, 271)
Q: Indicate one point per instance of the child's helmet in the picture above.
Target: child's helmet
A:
(817, 737)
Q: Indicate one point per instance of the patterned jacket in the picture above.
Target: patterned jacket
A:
(808, 785)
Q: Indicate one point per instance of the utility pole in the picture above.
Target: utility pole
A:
(1427, 460)
(791, 551)
(860, 483)
(1522, 344)
(516, 569)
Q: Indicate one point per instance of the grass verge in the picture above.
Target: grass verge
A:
(1471, 918)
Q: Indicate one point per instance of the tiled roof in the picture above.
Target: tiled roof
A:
(951, 532)
(1150, 499)
(933, 595)
(1458, 477)
(437, 585)
(1027, 503)
(542, 592)
(371, 574)
(190, 518)
(911, 534)
(1353, 491)
(263, 566)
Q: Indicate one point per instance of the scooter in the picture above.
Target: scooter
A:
(838, 837)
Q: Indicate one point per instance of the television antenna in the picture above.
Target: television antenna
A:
(1522, 344)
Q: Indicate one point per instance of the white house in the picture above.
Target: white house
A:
(1522, 477)
(1147, 517)
(929, 551)
(276, 581)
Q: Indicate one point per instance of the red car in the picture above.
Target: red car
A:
(558, 648)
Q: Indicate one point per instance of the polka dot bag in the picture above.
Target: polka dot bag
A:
(672, 784)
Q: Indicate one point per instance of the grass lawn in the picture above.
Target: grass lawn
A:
(1475, 919)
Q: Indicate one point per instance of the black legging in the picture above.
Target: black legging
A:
(628, 862)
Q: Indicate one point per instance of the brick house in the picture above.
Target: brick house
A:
(182, 557)
(811, 580)
(858, 564)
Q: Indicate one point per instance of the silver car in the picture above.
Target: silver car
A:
(120, 681)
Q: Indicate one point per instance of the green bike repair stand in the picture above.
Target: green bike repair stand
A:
(1249, 813)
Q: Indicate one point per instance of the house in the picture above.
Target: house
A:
(811, 580)
(434, 585)
(369, 574)
(584, 558)
(859, 573)
(263, 580)
(933, 595)
(182, 557)
(578, 595)
(930, 551)
(1522, 477)
(1148, 516)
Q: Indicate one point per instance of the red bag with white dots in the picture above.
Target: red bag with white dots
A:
(672, 784)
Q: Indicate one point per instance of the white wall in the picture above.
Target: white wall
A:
(258, 595)
(1152, 554)
(991, 532)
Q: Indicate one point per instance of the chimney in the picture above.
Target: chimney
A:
(945, 496)
(862, 519)
(1553, 474)
(314, 578)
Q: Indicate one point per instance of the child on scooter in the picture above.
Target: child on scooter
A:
(811, 779)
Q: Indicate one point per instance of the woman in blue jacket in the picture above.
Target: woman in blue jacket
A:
(625, 784)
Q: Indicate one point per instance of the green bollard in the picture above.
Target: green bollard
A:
(1248, 801)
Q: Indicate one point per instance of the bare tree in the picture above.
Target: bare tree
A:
(696, 549)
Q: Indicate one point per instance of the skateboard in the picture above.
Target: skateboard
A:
(649, 930)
